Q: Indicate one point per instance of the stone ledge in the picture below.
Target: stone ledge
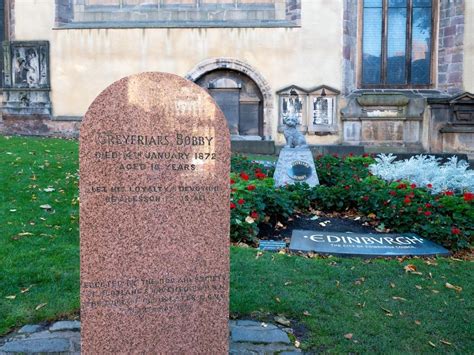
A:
(178, 24)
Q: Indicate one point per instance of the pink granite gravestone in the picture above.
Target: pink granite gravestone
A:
(154, 192)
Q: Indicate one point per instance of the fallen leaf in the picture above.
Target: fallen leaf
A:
(48, 189)
(12, 297)
(26, 289)
(282, 320)
(435, 291)
(387, 312)
(361, 305)
(282, 251)
(434, 346)
(41, 305)
(13, 210)
(314, 218)
(419, 287)
(392, 285)
(337, 283)
(297, 344)
(46, 207)
(445, 342)
(279, 225)
(287, 283)
(399, 298)
(372, 215)
(348, 336)
(277, 299)
(248, 219)
(453, 287)
(24, 234)
(359, 281)
(306, 313)
(259, 254)
(417, 322)
(409, 268)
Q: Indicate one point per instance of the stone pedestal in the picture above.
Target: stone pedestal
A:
(295, 165)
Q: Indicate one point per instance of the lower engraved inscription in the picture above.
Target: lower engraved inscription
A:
(154, 295)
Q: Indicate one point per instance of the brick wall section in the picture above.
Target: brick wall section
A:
(451, 41)
(349, 55)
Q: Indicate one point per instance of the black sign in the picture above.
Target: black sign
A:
(271, 245)
(299, 170)
(364, 244)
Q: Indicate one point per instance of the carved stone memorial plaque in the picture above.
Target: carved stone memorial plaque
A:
(154, 191)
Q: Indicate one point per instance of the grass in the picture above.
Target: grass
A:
(325, 298)
(38, 247)
(343, 296)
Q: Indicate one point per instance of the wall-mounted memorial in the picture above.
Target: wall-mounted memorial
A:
(154, 191)
(323, 109)
(26, 84)
(293, 102)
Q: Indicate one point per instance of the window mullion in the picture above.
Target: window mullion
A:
(408, 43)
(383, 69)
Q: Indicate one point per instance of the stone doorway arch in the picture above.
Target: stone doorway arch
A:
(237, 65)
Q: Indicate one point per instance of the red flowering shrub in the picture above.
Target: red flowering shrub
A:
(244, 176)
(468, 196)
(445, 218)
(455, 231)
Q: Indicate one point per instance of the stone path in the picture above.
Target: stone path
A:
(64, 337)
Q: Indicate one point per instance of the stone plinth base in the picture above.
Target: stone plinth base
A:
(295, 165)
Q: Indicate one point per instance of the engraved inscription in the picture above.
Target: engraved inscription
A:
(154, 153)
(155, 295)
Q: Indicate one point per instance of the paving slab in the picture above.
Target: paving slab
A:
(260, 336)
(65, 325)
(36, 345)
(247, 337)
(30, 328)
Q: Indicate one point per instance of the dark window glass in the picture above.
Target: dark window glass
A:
(397, 3)
(373, 3)
(396, 42)
(421, 45)
(372, 45)
(396, 45)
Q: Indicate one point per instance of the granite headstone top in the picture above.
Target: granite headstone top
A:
(295, 165)
(154, 192)
(364, 244)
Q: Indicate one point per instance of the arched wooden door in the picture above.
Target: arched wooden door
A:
(239, 98)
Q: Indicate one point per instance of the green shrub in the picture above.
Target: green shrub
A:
(346, 184)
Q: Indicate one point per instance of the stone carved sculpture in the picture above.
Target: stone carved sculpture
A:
(294, 138)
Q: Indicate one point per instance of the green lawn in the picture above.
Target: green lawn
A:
(384, 308)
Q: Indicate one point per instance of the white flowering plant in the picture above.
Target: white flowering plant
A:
(426, 171)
